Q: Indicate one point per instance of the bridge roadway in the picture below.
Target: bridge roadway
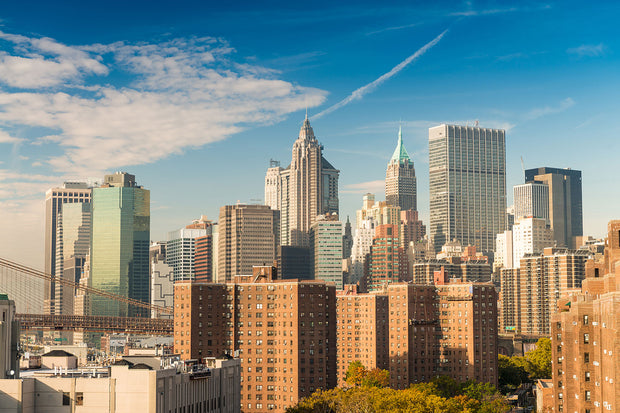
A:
(101, 324)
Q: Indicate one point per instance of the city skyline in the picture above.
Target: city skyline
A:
(73, 98)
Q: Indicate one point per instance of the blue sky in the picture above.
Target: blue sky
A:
(194, 100)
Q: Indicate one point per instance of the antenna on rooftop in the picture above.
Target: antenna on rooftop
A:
(522, 166)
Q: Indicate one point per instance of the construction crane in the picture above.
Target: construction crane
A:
(10, 265)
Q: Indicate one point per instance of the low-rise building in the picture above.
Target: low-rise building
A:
(128, 388)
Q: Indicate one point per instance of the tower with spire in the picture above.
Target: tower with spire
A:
(400, 180)
(307, 188)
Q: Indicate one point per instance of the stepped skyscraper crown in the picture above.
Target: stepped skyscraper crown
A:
(307, 188)
(400, 180)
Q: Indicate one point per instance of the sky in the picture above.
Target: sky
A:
(196, 98)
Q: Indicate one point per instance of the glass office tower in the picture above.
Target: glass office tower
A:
(120, 245)
(467, 185)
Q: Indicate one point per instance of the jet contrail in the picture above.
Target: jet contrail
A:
(359, 93)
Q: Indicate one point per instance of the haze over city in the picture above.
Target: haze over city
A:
(195, 100)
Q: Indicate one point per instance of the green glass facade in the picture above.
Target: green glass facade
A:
(120, 248)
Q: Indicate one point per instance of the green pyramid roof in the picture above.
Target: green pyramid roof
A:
(400, 153)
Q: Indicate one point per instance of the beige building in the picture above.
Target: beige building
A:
(9, 339)
(308, 187)
(128, 388)
(247, 236)
(530, 293)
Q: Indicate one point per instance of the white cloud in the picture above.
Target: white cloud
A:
(588, 50)
(184, 93)
(364, 187)
(44, 63)
(7, 138)
(550, 110)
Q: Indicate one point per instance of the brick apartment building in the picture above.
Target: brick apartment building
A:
(585, 337)
(284, 332)
(417, 332)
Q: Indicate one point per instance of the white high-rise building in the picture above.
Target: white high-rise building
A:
(467, 166)
(273, 185)
(503, 250)
(531, 199)
(362, 241)
(530, 236)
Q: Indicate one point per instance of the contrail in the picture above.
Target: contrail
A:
(359, 93)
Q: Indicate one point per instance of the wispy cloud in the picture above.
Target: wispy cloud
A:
(392, 28)
(359, 93)
(550, 110)
(184, 93)
(487, 12)
(588, 50)
(364, 187)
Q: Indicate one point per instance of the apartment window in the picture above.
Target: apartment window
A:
(79, 398)
(586, 357)
(586, 338)
(66, 399)
(585, 319)
(587, 395)
(587, 378)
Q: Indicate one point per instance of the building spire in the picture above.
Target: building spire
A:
(306, 132)
(400, 153)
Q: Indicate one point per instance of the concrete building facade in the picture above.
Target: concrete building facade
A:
(247, 236)
(307, 188)
(55, 198)
(565, 202)
(467, 185)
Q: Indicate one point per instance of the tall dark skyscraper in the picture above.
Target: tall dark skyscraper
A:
(565, 202)
(400, 180)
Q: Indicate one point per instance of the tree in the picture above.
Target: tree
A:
(540, 359)
(355, 373)
(376, 378)
(512, 372)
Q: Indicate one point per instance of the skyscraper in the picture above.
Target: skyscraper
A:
(55, 198)
(120, 244)
(326, 249)
(467, 185)
(307, 188)
(400, 180)
(181, 248)
(565, 203)
(531, 200)
(73, 229)
(248, 236)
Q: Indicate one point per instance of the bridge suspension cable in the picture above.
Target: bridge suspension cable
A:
(4, 263)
